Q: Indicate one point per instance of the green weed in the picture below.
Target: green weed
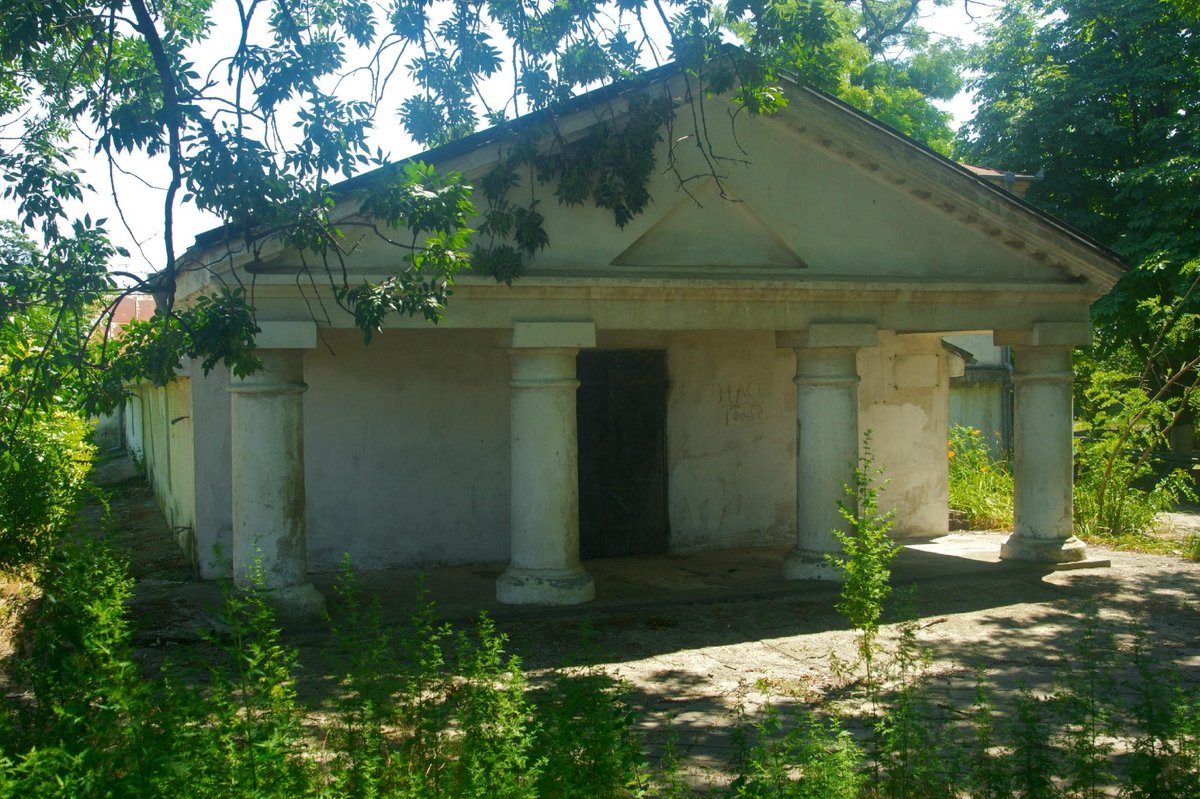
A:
(1118, 487)
(1084, 704)
(1033, 759)
(1165, 756)
(587, 738)
(421, 712)
(799, 756)
(865, 562)
(1191, 547)
(985, 774)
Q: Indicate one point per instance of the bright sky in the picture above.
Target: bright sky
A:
(954, 21)
(139, 228)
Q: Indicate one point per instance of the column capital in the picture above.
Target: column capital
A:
(286, 336)
(553, 335)
(830, 335)
(1043, 363)
(543, 369)
(1046, 334)
(282, 372)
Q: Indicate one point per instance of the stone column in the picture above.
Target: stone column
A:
(544, 568)
(1043, 523)
(827, 439)
(267, 427)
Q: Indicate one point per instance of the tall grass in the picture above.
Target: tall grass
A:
(981, 484)
(1118, 493)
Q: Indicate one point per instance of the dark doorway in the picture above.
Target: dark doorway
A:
(622, 453)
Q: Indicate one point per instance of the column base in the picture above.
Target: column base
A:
(1043, 550)
(520, 586)
(296, 604)
(806, 564)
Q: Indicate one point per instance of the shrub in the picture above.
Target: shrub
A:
(43, 473)
(981, 484)
(911, 757)
(1118, 493)
(985, 774)
(493, 754)
(1118, 488)
(586, 739)
(1033, 759)
(242, 736)
(83, 732)
(1086, 708)
(1165, 757)
(424, 713)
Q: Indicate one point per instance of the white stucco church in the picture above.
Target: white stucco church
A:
(701, 378)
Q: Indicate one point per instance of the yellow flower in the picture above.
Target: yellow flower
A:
(950, 454)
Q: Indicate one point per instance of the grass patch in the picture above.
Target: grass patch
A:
(1191, 547)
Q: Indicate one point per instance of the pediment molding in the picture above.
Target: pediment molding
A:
(951, 189)
(710, 230)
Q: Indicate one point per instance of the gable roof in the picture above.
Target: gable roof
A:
(920, 164)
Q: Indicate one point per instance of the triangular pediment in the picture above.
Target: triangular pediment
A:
(824, 195)
(709, 231)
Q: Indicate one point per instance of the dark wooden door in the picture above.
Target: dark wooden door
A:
(622, 453)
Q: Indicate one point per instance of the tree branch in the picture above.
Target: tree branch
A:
(174, 123)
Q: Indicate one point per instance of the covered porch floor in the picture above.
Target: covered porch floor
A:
(657, 581)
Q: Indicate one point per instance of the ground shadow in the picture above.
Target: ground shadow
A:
(701, 639)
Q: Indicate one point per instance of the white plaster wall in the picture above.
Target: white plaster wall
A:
(407, 444)
(133, 422)
(213, 526)
(731, 421)
(182, 471)
(406, 448)
(167, 450)
(903, 402)
(155, 444)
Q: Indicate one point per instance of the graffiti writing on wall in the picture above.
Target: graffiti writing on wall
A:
(740, 402)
